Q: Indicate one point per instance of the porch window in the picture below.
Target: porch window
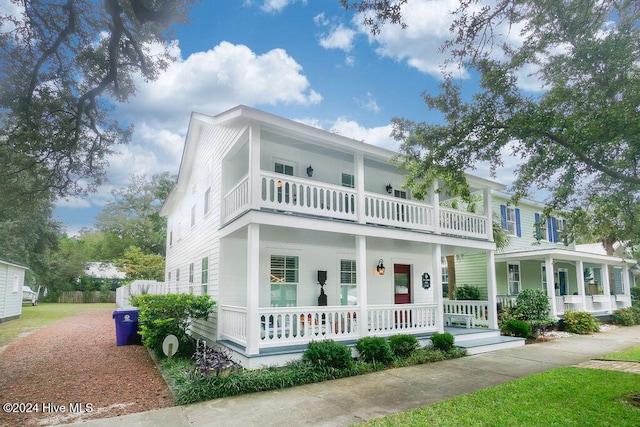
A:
(544, 278)
(445, 281)
(348, 287)
(348, 180)
(513, 278)
(284, 280)
(511, 220)
(286, 170)
(204, 278)
(191, 278)
(207, 197)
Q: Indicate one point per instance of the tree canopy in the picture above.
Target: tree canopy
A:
(578, 137)
(64, 64)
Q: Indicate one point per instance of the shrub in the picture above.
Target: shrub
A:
(374, 350)
(635, 292)
(443, 342)
(628, 316)
(532, 306)
(516, 328)
(328, 353)
(162, 315)
(403, 345)
(580, 322)
(467, 292)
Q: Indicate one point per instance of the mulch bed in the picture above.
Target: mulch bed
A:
(72, 370)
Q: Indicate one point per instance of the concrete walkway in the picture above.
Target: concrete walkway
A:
(352, 400)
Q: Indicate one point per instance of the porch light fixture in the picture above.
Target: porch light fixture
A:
(389, 188)
(380, 267)
(309, 171)
(279, 184)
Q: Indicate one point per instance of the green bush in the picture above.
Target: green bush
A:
(374, 350)
(162, 315)
(467, 292)
(628, 316)
(403, 345)
(443, 342)
(580, 322)
(532, 306)
(328, 354)
(635, 292)
(516, 328)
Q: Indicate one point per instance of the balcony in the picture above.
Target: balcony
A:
(284, 193)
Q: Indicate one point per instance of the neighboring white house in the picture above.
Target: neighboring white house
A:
(576, 278)
(265, 208)
(11, 283)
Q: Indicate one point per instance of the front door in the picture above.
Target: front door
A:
(562, 280)
(402, 283)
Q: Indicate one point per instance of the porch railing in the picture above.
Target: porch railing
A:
(479, 310)
(300, 195)
(288, 193)
(300, 325)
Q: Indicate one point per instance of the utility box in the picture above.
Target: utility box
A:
(127, 326)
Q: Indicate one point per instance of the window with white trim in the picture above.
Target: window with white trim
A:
(204, 278)
(445, 280)
(513, 278)
(193, 215)
(348, 282)
(191, 268)
(283, 276)
(207, 198)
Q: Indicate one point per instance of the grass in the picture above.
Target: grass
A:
(631, 355)
(34, 318)
(561, 397)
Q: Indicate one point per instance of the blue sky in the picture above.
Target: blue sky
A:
(309, 61)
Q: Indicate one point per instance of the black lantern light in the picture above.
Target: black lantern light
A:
(309, 171)
(380, 267)
(389, 188)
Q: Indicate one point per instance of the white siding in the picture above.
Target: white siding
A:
(10, 301)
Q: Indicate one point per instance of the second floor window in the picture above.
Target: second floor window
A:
(511, 220)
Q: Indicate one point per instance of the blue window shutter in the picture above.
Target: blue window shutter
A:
(555, 229)
(564, 228)
(537, 225)
(503, 215)
(518, 228)
(549, 230)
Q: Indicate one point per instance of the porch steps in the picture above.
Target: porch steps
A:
(488, 344)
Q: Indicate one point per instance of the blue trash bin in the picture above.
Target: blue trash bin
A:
(126, 326)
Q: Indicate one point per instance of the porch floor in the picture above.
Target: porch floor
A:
(459, 333)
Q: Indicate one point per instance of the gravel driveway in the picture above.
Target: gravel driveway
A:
(72, 370)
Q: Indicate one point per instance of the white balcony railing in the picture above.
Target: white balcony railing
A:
(286, 193)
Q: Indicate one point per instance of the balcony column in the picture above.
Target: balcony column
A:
(580, 281)
(435, 202)
(436, 285)
(488, 212)
(551, 285)
(253, 282)
(492, 290)
(255, 184)
(359, 187)
(361, 274)
(606, 286)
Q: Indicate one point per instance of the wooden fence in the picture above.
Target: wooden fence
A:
(79, 297)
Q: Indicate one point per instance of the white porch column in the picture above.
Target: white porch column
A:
(255, 186)
(436, 282)
(359, 178)
(606, 286)
(253, 282)
(580, 281)
(551, 286)
(488, 212)
(492, 290)
(361, 274)
(626, 286)
(435, 202)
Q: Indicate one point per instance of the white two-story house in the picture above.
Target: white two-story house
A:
(538, 257)
(300, 234)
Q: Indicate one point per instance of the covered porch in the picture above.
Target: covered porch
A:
(573, 280)
(377, 282)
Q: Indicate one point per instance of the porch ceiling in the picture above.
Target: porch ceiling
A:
(561, 254)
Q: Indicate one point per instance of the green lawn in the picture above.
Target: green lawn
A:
(561, 397)
(632, 355)
(43, 314)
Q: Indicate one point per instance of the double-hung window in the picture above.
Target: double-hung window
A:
(513, 278)
(284, 276)
(348, 282)
(204, 278)
(191, 267)
(510, 217)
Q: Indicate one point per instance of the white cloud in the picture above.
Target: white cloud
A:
(278, 5)
(378, 136)
(340, 37)
(218, 79)
(370, 103)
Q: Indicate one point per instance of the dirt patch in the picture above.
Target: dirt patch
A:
(72, 370)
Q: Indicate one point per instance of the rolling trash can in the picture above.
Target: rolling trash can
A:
(127, 326)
